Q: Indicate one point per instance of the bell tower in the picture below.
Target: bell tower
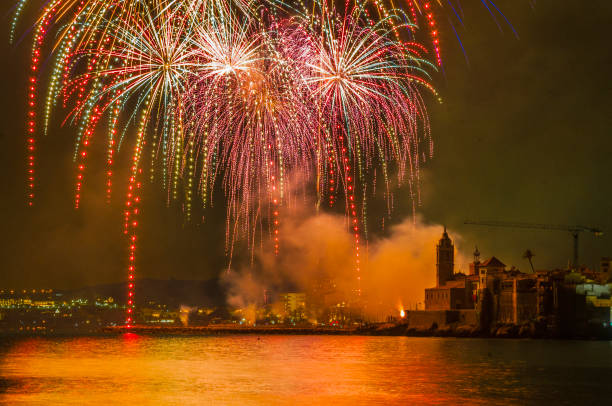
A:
(445, 259)
(474, 266)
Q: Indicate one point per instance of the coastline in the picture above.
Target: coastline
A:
(384, 329)
(528, 331)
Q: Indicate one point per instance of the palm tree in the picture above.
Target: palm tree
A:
(529, 255)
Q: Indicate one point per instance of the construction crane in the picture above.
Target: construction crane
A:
(573, 230)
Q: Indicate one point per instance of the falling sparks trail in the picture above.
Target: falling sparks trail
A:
(239, 95)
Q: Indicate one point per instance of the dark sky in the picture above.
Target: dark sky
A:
(523, 135)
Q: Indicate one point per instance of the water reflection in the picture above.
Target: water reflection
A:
(300, 370)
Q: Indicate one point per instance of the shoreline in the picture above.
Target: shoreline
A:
(382, 330)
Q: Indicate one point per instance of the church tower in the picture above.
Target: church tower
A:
(475, 266)
(445, 260)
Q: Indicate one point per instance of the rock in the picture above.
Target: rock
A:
(525, 331)
(465, 331)
(502, 331)
(444, 331)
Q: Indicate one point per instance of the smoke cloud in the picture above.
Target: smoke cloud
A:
(317, 250)
(402, 265)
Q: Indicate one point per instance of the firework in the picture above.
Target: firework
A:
(366, 88)
(251, 122)
(237, 94)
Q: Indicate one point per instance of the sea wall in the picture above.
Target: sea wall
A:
(428, 319)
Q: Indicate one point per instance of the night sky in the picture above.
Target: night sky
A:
(523, 134)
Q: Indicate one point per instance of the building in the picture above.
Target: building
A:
(294, 303)
(563, 302)
(445, 260)
(500, 295)
(454, 295)
(488, 271)
(605, 267)
(517, 299)
(452, 291)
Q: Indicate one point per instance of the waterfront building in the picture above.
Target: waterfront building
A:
(452, 291)
(517, 298)
(445, 260)
(605, 267)
(294, 303)
(562, 300)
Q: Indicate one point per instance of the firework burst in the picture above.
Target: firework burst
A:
(250, 120)
(237, 94)
(366, 87)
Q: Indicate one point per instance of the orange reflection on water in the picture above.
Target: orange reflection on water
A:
(267, 370)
